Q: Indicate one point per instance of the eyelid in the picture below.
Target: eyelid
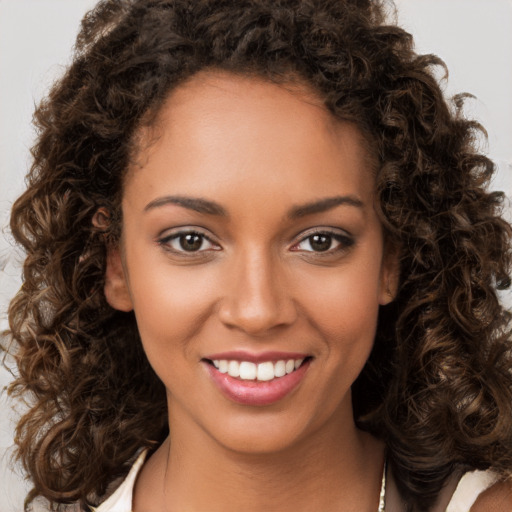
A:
(169, 235)
(345, 239)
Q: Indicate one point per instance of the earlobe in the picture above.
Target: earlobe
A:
(116, 288)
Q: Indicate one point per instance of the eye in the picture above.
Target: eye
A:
(187, 241)
(324, 242)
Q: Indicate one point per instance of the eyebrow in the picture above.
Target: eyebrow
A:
(323, 205)
(192, 203)
(201, 205)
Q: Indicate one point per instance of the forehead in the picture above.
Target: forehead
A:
(220, 126)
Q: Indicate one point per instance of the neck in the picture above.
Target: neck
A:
(338, 468)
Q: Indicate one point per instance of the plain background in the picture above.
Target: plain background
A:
(474, 38)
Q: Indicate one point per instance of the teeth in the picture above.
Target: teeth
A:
(266, 371)
(234, 368)
(280, 369)
(247, 370)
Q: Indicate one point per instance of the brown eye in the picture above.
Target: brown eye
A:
(191, 242)
(187, 242)
(320, 243)
(323, 242)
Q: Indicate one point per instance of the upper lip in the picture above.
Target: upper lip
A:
(260, 357)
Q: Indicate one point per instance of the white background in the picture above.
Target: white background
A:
(474, 37)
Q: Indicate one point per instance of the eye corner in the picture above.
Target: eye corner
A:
(173, 241)
(342, 240)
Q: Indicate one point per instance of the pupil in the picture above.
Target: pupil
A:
(191, 242)
(320, 243)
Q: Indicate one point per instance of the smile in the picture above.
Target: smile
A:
(257, 380)
(265, 371)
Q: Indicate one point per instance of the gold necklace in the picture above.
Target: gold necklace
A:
(382, 496)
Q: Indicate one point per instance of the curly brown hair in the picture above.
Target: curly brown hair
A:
(437, 387)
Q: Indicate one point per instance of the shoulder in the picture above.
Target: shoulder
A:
(497, 498)
(117, 499)
(481, 491)
(120, 500)
(41, 504)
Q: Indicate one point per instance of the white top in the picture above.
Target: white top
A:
(121, 499)
(470, 486)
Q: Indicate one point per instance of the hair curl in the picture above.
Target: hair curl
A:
(437, 388)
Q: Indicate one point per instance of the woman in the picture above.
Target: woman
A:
(261, 270)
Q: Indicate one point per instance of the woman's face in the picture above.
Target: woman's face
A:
(250, 244)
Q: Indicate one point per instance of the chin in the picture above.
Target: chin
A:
(263, 434)
(259, 444)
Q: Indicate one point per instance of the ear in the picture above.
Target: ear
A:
(390, 274)
(116, 288)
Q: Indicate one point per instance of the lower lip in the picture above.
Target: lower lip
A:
(254, 392)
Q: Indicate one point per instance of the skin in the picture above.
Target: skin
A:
(261, 152)
(498, 498)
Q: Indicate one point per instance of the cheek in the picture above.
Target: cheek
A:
(343, 307)
(346, 301)
(170, 304)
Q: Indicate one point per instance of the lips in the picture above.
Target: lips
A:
(257, 379)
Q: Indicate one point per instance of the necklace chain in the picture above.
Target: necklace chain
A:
(382, 496)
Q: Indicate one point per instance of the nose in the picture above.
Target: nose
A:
(256, 299)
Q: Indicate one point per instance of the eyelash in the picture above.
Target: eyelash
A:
(179, 237)
(344, 242)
